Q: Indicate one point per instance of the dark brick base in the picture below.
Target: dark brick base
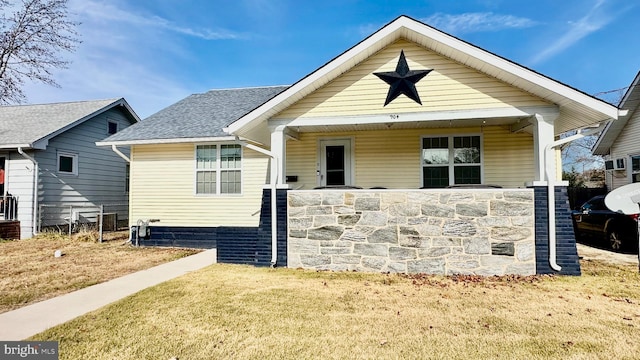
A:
(566, 250)
(235, 245)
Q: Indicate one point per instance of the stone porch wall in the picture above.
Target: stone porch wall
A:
(443, 231)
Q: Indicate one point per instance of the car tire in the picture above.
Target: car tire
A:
(615, 240)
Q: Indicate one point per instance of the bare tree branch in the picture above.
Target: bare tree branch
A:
(33, 33)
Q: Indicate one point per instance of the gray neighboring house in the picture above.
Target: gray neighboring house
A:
(619, 143)
(50, 149)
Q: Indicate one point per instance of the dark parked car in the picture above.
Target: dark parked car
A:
(595, 221)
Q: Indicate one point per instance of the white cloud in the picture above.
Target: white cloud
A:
(102, 12)
(476, 22)
(594, 20)
(125, 53)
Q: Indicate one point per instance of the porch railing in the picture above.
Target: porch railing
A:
(8, 207)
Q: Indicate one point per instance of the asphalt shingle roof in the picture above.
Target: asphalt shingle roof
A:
(198, 115)
(26, 124)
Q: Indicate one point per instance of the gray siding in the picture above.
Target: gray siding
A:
(100, 175)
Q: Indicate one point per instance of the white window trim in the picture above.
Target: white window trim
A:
(113, 122)
(630, 173)
(451, 165)
(127, 179)
(351, 153)
(218, 170)
(74, 163)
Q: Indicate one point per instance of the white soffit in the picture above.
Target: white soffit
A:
(629, 102)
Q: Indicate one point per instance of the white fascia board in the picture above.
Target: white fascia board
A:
(389, 32)
(166, 141)
(396, 29)
(513, 68)
(15, 146)
(601, 147)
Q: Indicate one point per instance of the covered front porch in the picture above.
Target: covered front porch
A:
(437, 196)
(509, 149)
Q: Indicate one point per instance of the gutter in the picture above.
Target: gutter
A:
(551, 196)
(273, 180)
(36, 169)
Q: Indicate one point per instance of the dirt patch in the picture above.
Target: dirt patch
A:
(591, 253)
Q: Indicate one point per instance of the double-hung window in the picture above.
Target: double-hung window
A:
(451, 160)
(219, 169)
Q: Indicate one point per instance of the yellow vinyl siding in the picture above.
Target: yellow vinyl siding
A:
(508, 158)
(450, 86)
(391, 158)
(627, 144)
(163, 187)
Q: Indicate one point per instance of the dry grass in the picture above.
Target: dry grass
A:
(31, 273)
(240, 312)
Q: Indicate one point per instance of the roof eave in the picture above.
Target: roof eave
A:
(165, 141)
(118, 102)
(402, 27)
(629, 103)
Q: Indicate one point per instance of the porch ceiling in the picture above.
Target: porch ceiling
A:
(466, 123)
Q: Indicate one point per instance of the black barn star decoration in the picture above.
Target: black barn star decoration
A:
(402, 81)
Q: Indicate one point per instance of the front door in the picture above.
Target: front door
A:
(335, 165)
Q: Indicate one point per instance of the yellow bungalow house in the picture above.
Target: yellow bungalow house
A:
(412, 151)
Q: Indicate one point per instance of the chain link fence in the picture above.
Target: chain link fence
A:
(73, 218)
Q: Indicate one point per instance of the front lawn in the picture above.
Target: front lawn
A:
(241, 312)
(29, 271)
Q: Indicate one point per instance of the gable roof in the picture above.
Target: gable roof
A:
(198, 117)
(577, 109)
(630, 102)
(31, 126)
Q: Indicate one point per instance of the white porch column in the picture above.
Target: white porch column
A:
(279, 150)
(543, 136)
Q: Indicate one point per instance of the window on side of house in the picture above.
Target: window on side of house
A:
(67, 163)
(127, 178)
(635, 168)
(451, 160)
(112, 127)
(219, 169)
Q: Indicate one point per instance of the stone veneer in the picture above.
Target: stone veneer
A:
(443, 231)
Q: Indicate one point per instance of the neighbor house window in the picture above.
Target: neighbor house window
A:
(112, 127)
(127, 178)
(635, 168)
(218, 169)
(451, 160)
(67, 163)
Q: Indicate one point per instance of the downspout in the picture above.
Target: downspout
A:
(551, 195)
(125, 157)
(273, 180)
(36, 170)
(128, 160)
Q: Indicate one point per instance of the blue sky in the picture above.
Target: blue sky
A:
(156, 52)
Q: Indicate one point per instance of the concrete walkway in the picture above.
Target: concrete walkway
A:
(32, 319)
